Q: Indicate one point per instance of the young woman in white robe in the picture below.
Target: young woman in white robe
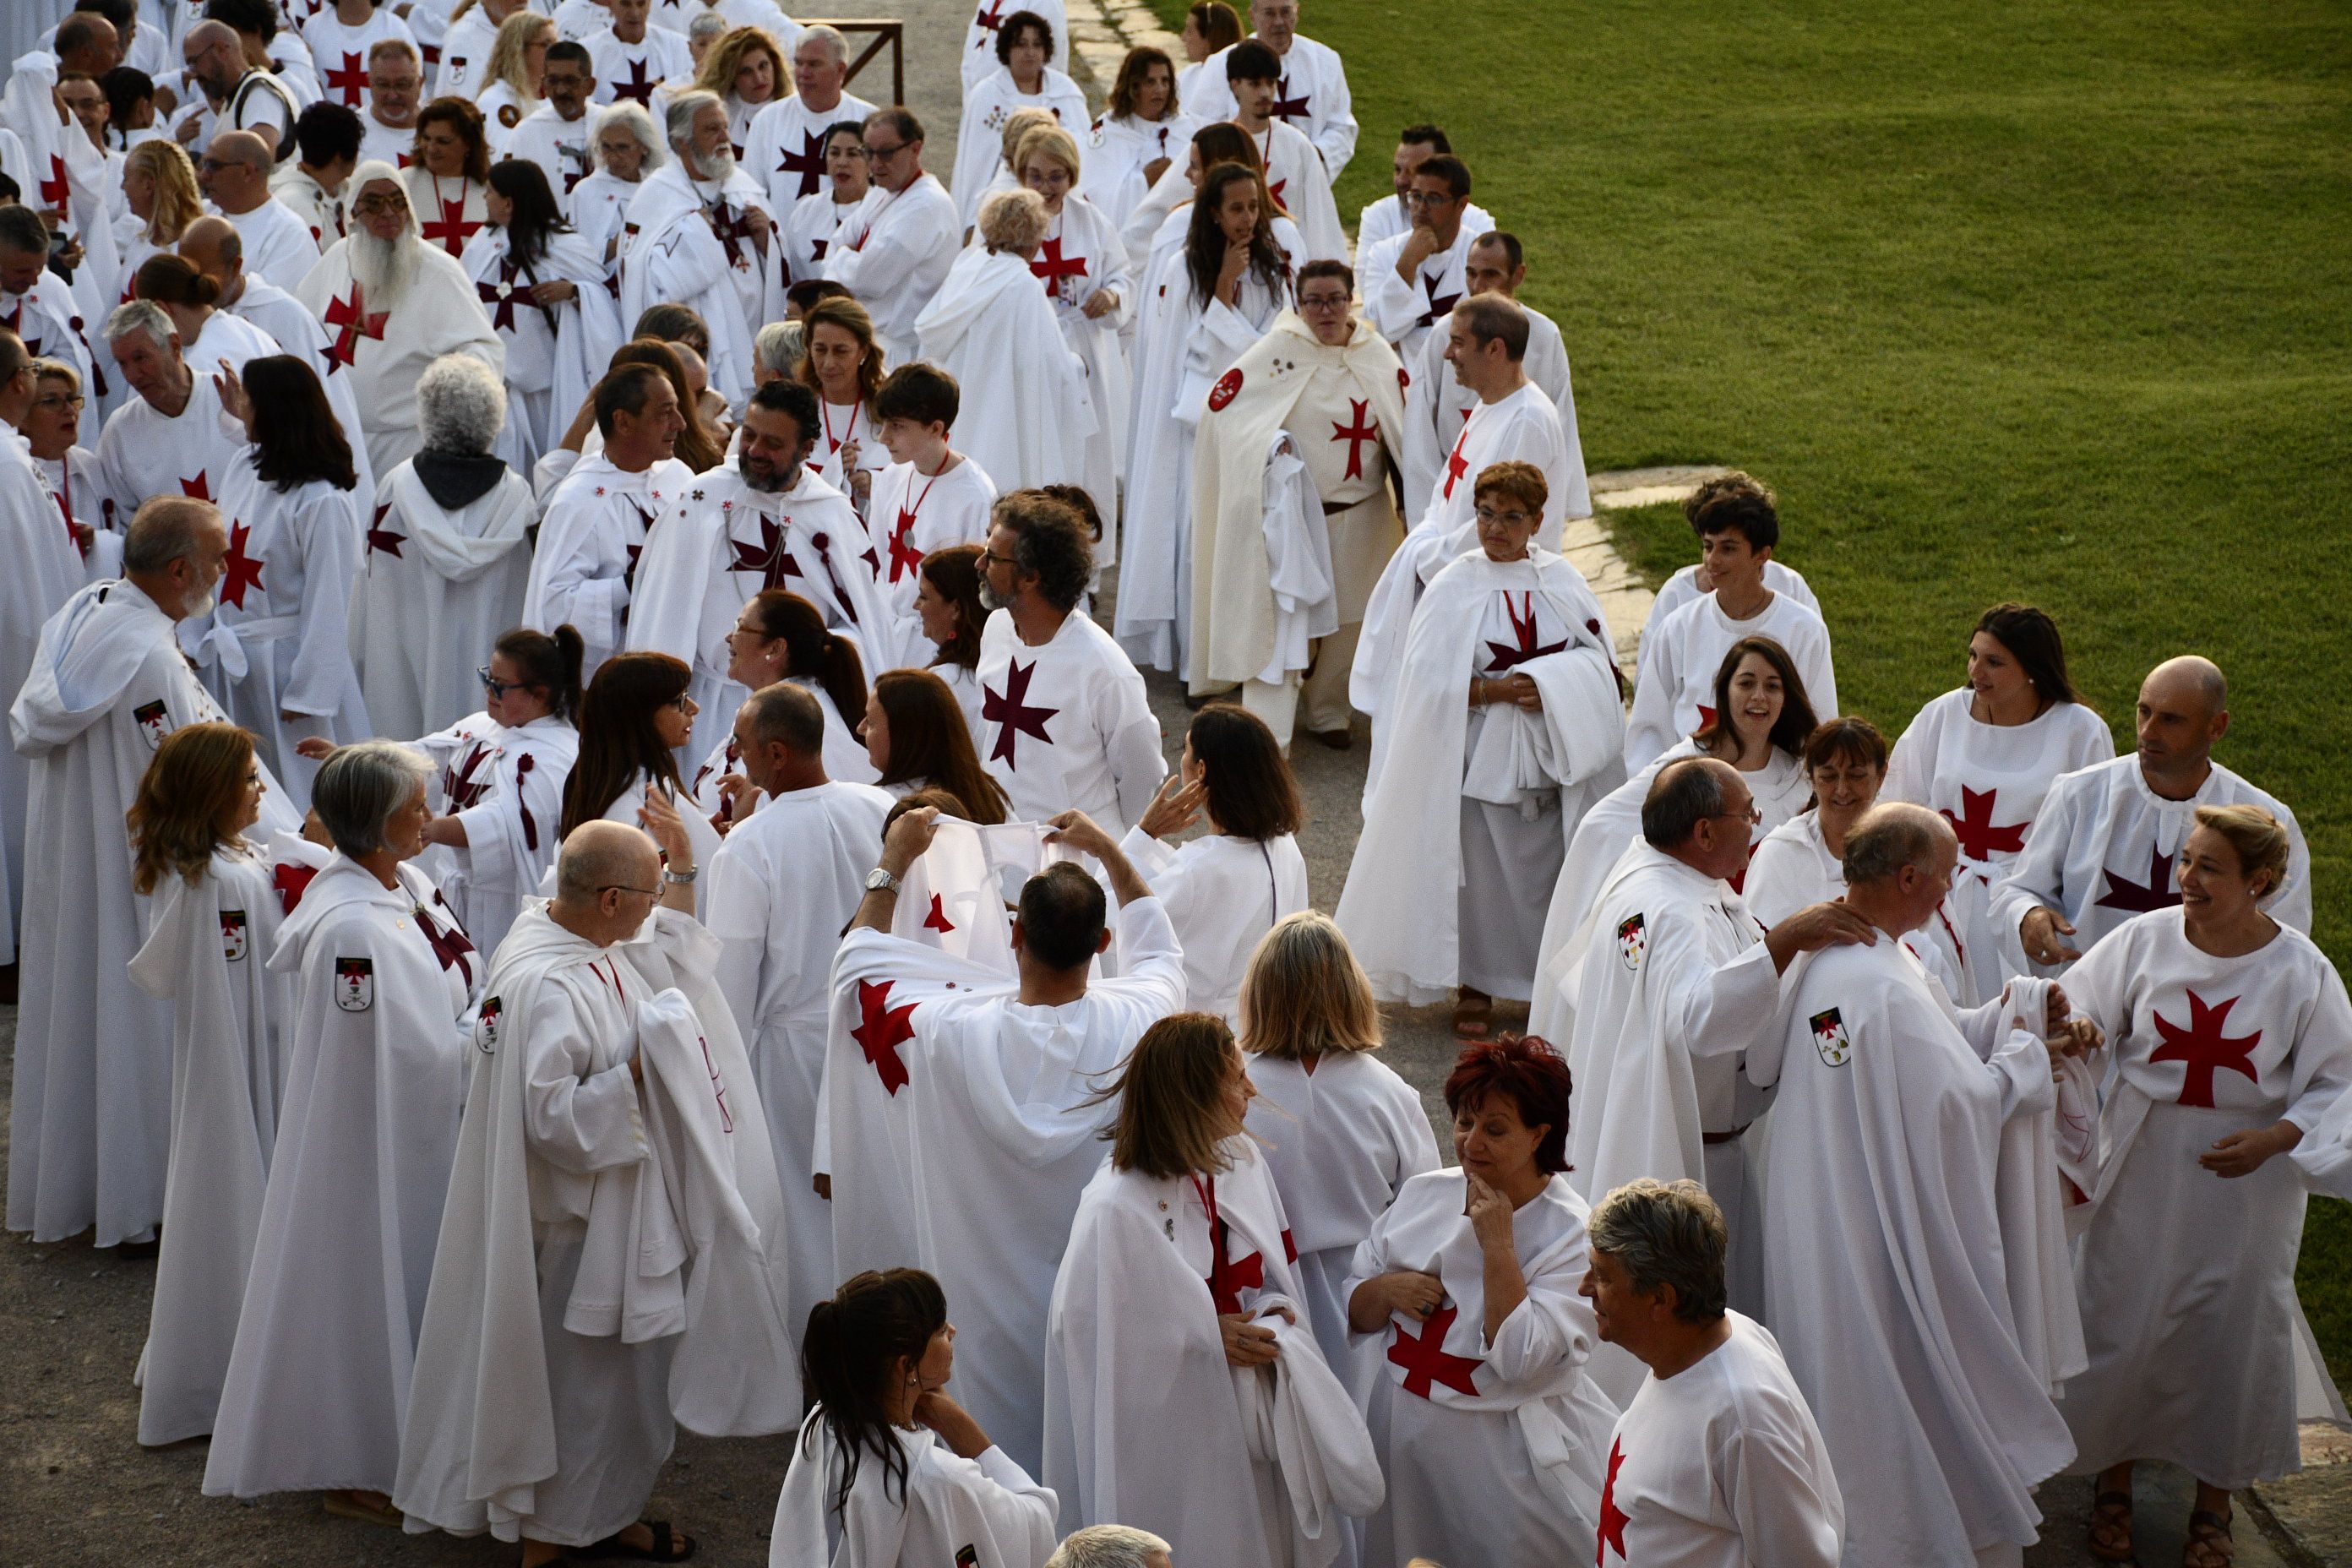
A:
(1178, 1280)
(916, 739)
(448, 182)
(542, 285)
(948, 605)
(1757, 688)
(746, 68)
(1209, 301)
(1985, 755)
(1023, 80)
(888, 1469)
(842, 363)
(366, 1135)
(634, 716)
(815, 220)
(1225, 888)
(1494, 1436)
(1087, 276)
(1142, 129)
(1339, 1131)
(2229, 1037)
(216, 920)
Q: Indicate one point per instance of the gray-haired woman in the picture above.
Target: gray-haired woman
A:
(318, 1382)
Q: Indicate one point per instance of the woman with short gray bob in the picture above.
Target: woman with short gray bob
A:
(381, 1044)
(1341, 1131)
(447, 549)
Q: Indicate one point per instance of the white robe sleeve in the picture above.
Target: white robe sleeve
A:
(1709, 1011)
(2037, 878)
(575, 1120)
(329, 535)
(1767, 1476)
(1553, 1327)
(1650, 727)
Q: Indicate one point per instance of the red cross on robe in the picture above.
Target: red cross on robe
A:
(449, 946)
(349, 80)
(937, 918)
(808, 163)
(904, 557)
(240, 571)
(1361, 430)
(1457, 465)
(1274, 190)
(1285, 106)
(1613, 1520)
(1439, 304)
(452, 229)
(1008, 710)
(55, 191)
(988, 21)
(198, 488)
(637, 88)
(1523, 646)
(1425, 1359)
(1979, 839)
(352, 322)
(291, 879)
(1229, 1276)
(881, 1029)
(2205, 1048)
(382, 538)
(500, 297)
(15, 316)
(732, 227)
(2142, 898)
(1050, 265)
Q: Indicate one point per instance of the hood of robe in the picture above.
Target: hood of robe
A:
(458, 480)
(979, 279)
(340, 883)
(88, 652)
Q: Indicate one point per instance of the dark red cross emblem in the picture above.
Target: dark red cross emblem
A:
(1286, 106)
(55, 192)
(238, 570)
(382, 538)
(501, 296)
(1356, 435)
(637, 88)
(350, 80)
(1979, 839)
(1008, 710)
(881, 1030)
(988, 21)
(2205, 1048)
(1457, 465)
(904, 557)
(352, 322)
(808, 163)
(769, 557)
(459, 786)
(291, 879)
(449, 946)
(1523, 646)
(2142, 898)
(1439, 304)
(1425, 1359)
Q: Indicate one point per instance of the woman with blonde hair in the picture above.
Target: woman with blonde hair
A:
(1088, 276)
(1341, 1132)
(159, 183)
(215, 921)
(510, 81)
(747, 69)
(840, 363)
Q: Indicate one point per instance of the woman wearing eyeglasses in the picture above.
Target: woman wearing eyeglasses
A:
(53, 430)
(634, 717)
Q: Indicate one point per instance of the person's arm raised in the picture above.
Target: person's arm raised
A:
(901, 848)
(1077, 830)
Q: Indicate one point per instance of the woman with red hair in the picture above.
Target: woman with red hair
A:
(1492, 1434)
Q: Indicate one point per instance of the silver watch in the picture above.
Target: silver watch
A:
(878, 881)
(677, 879)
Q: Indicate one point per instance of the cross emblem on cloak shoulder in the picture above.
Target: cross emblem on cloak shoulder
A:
(380, 538)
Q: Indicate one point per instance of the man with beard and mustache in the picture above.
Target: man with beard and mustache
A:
(765, 518)
(698, 236)
(392, 305)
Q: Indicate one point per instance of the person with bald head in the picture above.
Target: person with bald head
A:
(235, 172)
(236, 94)
(1919, 1284)
(2103, 848)
(542, 1406)
(65, 172)
(1676, 980)
(89, 1125)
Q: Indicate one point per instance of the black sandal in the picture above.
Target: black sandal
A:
(669, 1546)
(2111, 1513)
(2209, 1534)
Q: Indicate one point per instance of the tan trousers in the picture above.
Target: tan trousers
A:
(1323, 690)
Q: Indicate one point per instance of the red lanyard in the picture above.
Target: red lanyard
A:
(833, 442)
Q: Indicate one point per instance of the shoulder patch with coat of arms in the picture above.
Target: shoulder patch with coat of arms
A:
(1633, 940)
(1829, 1037)
(486, 1026)
(1228, 387)
(233, 937)
(154, 722)
(354, 984)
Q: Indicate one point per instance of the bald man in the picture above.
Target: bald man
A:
(235, 174)
(235, 95)
(2103, 848)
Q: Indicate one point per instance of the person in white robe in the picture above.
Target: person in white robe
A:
(895, 251)
(981, 56)
(1437, 403)
(889, 1469)
(395, 87)
(1389, 216)
(381, 1038)
(1897, 1275)
(209, 337)
(2229, 1037)
(1693, 582)
(633, 58)
(170, 437)
(215, 921)
(339, 35)
(1717, 1461)
(1499, 739)
(459, 52)
(542, 285)
(392, 305)
(59, 168)
(790, 145)
(315, 183)
(90, 1115)
(1142, 129)
(626, 147)
(1210, 298)
(41, 309)
(2103, 847)
(782, 886)
(277, 242)
(609, 1265)
(931, 498)
(1255, 531)
(1295, 176)
(1092, 286)
(1003, 1139)
(1022, 79)
(446, 545)
(276, 649)
(1311, 93)
(698, 235)
(1067, 726)
(1413, 280)
(1031, 411)
(558, 135)
(814, 224)
(841, 361)
(583, 568)
(1986, 756)
(1465, 1298)
(50, 435)
(1340, 1132)
(1738, 533)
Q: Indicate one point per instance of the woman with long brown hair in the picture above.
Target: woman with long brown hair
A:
(949, 604)
(842, 363)
(1142, 131)
(633, 718)
(747, 69)
(448, 181)
(916, 737)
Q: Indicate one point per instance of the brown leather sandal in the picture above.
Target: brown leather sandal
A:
(2110, 1535)
(2210, 1544)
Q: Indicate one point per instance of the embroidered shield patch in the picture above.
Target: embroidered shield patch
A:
(1829, 1037)
(486, 1026)
(1228, 387)
(232, 942)
(1633, 940)
(355, 983)
(154, 722)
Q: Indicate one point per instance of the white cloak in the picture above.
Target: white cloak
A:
(1407, 313)
(987, 103)
(811, 232)
(893, 254)
(297, 332)
(1120, 150)
(1082, 254)
(555, 353)
(1027, 408)
(49, 568)
(505, 786)
(1673, 694)
(1792, 868)
(979, 41)
(1222, 895)
(144, 452)
(585, 564)
(1070, 726)
(983, 1513)
(785, 149)
(561, 149)
(671, 254)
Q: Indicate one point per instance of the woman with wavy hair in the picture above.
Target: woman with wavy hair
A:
(509, 90)
(747, 69)
(448, 180)
(159, 185)
(1142, 131)
(842, 363)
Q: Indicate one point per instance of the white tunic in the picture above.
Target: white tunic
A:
(1223, 894)
(1028, 411)
(811, 232)
(893, 254)
(50, 567)
(322, 211)
(1406, 313)
(1682, 587)
(840, 424)
(785, 149)
(1301, 189)
(145, 452)
(629, 71)
(297, 332)
(1674, 696)
(561, 149)
(600, 208)
(375, 1080)
(1437, 403)
(980, 136)
(688, 242)
(1312, 95)
(341, 50)
(1386, 218)
(1495, 1450)
(505, 786)
(1721, 1465)
(555, 353)
(1068, 726)
(585, 564)
(979, 39)
(986, 1509)
(1082, 255)
(2193, 1340)
(1119, 153)
(277, 243)
(908, 515)
(1792, 868)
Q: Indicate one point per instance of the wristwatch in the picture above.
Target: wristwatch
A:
(878, 880)
(677, 879)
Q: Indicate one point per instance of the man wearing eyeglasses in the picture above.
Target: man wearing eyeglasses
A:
(235, 172)
(1292, 519)
(895, 253)
(1413, 280)
(1676, 981)
(555, 134)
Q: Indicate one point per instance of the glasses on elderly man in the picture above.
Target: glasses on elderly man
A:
(380, 205)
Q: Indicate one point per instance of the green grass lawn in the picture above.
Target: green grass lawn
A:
(2006, 300)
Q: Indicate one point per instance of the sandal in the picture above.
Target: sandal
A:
(669, 1546)
(1474, 1015)
(2110, 1537)
(2210, 1544)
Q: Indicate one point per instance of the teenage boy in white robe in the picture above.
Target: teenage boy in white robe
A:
(1717, 1462)
(1005, 1108)
(2103, 848)
(1437, 403)
(1312, 89)
(1694, 581)
(894, 252)
(1063, 720)
(1676, 980)
(929, 498)
(1295, 176)
(90, 1118)
(781, 888)
(1894, 1266)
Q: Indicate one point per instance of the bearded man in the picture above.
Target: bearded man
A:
(698, 235)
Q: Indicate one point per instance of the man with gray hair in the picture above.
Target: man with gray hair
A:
(392, 305)
(1111, 1546)
(632, 59)
(166, 440)
(1717, 1459)
(1920, 1285)
(89, 1125)
(1674, 980)
(893, 253)
(786, 146)
(697, 235)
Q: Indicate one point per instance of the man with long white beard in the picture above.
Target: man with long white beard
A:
(764, 518)
(90, 1120)
(698, 235)
(392, 305)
